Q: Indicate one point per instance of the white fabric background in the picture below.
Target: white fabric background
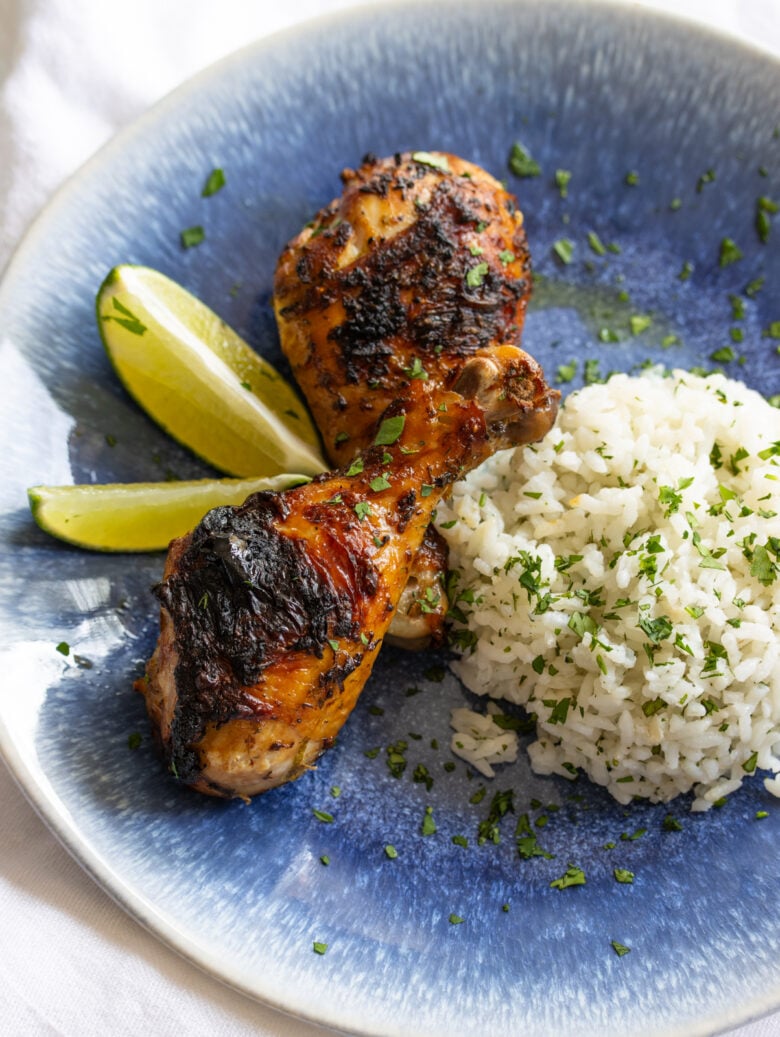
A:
(72, 72)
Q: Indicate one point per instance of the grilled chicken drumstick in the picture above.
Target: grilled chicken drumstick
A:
(419, 264)
(272, 613)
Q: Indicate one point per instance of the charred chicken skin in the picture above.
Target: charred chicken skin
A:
(272, 613)
(421, 262)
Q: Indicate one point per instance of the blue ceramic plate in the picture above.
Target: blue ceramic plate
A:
(601, 92)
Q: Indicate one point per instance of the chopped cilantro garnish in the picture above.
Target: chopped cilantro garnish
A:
(724, 355)
(705, 178)
(770, 451)
(573, 876)
(626, 838)
(214, 182)
(764, 208)
(428, 826)
(390, 430)
(475, 276)
(356, 467)
(592, 373)
(566, 372)
(639, 322)
(379, 483)
(521, 163)
(715, 654)
(581, 624)
(562, 178)
(421, 775)
(623, 875)
(564, 250)
(362, 509)
(324, 816)
(501, 803)
(653, 706)
(708, 560)
(128, 320)
(730, 252)
(456, 919)
(192, 236)
(737, 307)
(762, 567)
(670, 498)
(396, 759)
(63, 648)
(656, 629)
(319, 948)
(416, 370)
(620, 948)
(560, 709)
(749, 765)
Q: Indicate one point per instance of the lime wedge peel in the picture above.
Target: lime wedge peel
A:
(131, 517)
(200, 381)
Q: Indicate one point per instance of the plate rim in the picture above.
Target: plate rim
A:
(43, 799)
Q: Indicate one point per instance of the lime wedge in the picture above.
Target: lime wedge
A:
(138, 516)
(200, 381)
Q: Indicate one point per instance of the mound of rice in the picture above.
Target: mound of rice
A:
(621, 581)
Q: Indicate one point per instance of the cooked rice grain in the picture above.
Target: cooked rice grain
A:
(620, 580)
(480, 740)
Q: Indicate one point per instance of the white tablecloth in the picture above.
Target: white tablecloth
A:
(72, 72)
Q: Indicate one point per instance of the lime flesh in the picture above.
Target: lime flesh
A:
(138, 516)
(200, 381)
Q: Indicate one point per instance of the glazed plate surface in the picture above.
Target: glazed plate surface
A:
(599, 92)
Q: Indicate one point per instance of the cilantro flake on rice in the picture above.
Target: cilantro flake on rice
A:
(620, 580)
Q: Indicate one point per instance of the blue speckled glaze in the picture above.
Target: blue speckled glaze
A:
(241, 890)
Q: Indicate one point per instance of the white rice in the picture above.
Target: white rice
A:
(480, 740)
(620, 580)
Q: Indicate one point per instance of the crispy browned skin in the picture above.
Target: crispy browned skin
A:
(384, 279)
(272, 613)
(421, 262)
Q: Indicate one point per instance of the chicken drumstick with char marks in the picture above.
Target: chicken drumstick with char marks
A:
(272, 613)
(419, 264)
